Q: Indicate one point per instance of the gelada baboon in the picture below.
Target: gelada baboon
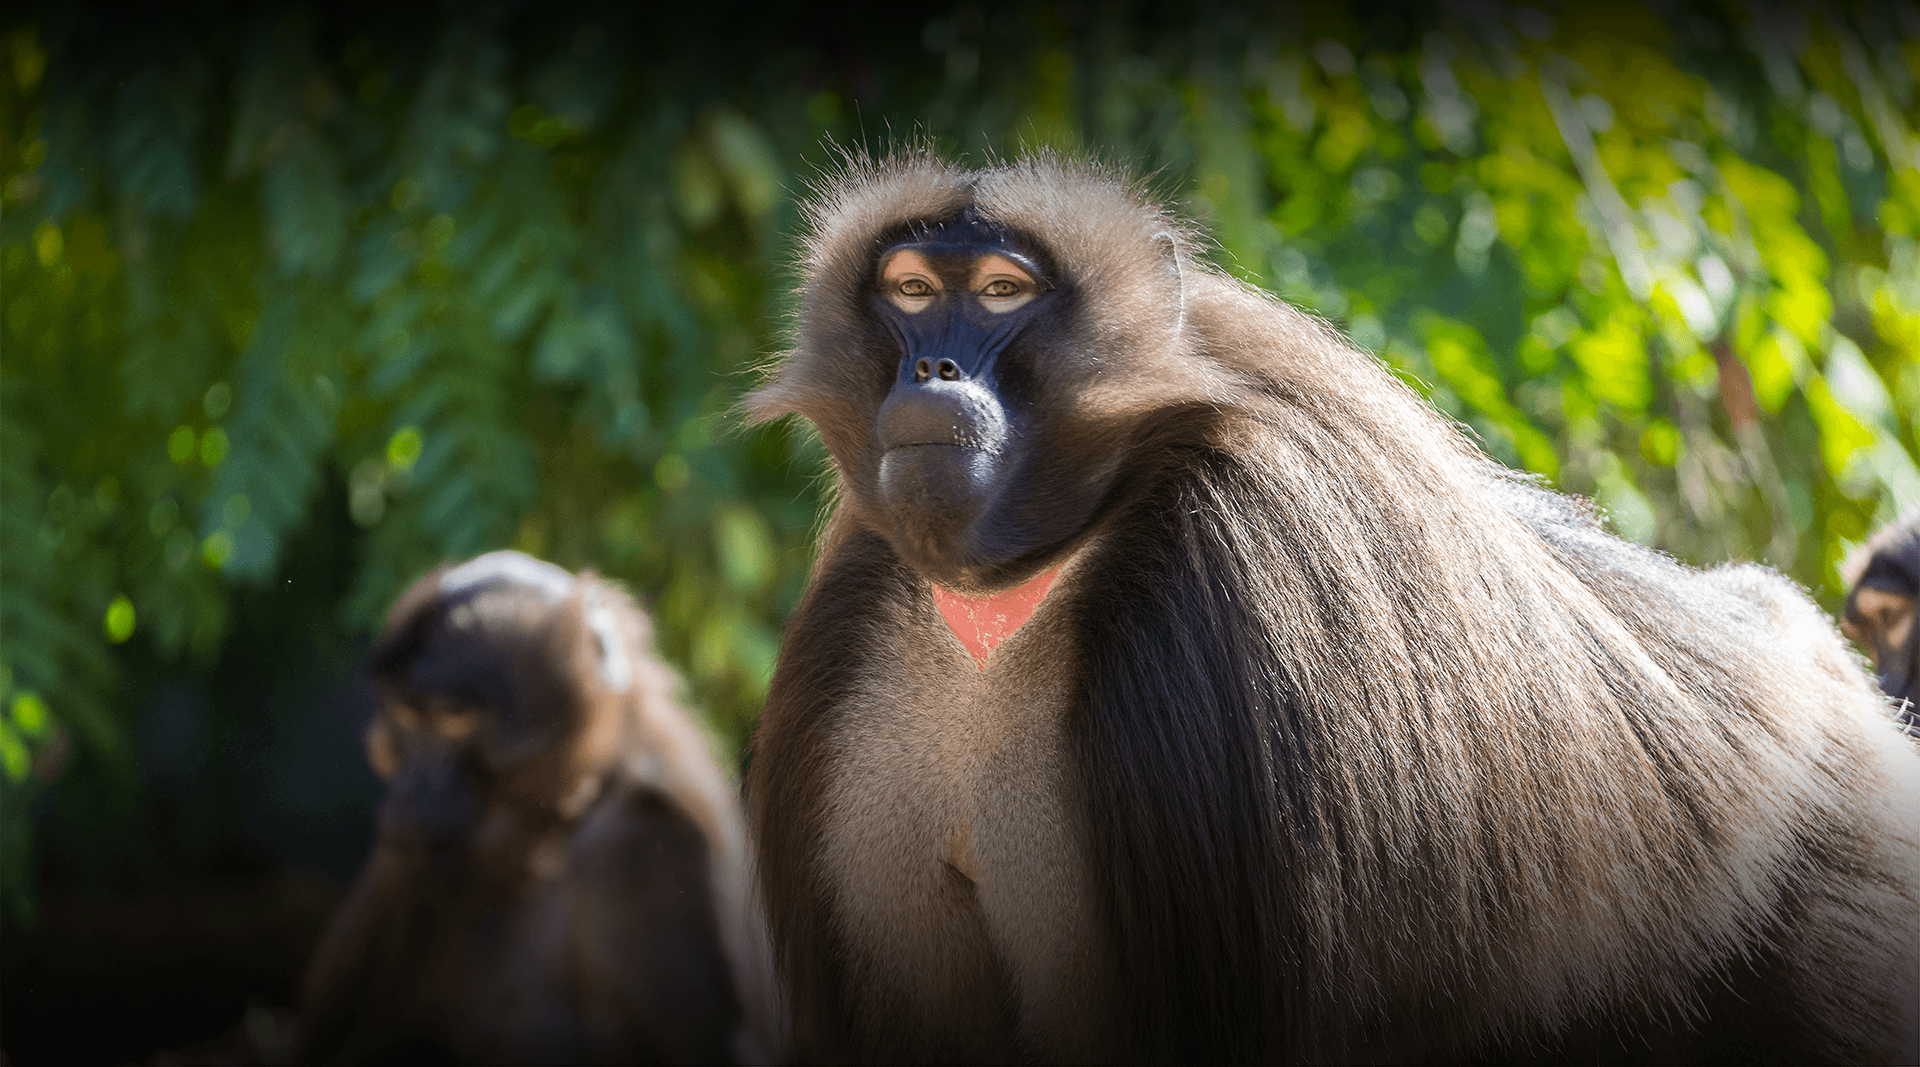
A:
(560, 868)
(1174, 684)
(1883, 610)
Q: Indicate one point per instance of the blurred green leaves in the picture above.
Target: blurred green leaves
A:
(495, 275)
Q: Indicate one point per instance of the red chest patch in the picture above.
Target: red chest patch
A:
(983, 622)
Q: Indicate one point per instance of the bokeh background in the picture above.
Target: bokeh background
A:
(301, 300)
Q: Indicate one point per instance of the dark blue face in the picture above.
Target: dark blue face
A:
(956, 298)
(955, 301)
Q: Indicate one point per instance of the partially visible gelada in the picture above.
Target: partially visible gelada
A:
(1883, 609)
(559, 872)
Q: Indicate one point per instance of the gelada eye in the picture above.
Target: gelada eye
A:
(1001, 284)
(907, 280)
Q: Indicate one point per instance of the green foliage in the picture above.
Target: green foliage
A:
(498, 273)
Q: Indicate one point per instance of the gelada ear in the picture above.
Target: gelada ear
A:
(1168, 248)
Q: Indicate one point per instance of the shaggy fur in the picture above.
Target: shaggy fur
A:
(560, 873)
(1334, 740)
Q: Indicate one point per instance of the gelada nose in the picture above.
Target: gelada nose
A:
(925, 369)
